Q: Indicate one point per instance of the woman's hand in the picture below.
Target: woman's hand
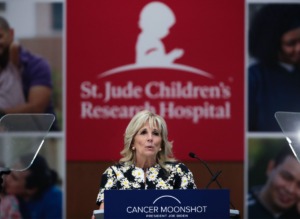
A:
(100, 208)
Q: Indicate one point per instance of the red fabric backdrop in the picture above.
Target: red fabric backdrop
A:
(204, 114)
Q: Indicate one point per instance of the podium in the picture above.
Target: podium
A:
(199, 203)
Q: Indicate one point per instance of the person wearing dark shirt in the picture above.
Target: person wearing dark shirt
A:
(274, 78)
(279, 196)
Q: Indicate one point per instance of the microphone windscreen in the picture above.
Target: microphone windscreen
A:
(192, 155)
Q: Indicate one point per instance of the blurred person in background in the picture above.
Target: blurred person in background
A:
(274, 78)
(9, 204)
(278, 197)
(27, 72)
(36, 189)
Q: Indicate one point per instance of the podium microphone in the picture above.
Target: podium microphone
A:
(214, 178)
(193, 155)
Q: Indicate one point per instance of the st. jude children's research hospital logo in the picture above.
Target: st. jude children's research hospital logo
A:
(185, 98)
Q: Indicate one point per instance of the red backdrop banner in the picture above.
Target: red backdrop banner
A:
(182, 59)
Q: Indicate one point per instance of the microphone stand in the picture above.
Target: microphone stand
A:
(192, 155)
(214, 176)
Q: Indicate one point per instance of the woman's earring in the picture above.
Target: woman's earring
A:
(159, 149)
(133, 148)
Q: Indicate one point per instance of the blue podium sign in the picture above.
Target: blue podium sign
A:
(208, 203)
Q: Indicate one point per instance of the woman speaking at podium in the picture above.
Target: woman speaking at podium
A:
(147, 161)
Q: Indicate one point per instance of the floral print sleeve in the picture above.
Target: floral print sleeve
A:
(108, 181)
(183, 177)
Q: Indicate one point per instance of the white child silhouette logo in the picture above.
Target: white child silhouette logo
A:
(155, 21)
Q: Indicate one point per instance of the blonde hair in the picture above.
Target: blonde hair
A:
(136, 123)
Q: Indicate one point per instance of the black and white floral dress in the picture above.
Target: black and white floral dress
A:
(124, 176)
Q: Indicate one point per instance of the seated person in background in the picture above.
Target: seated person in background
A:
(274, 79)
(34, 73)
(35, 189)
(147, 161)
(280, 194)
